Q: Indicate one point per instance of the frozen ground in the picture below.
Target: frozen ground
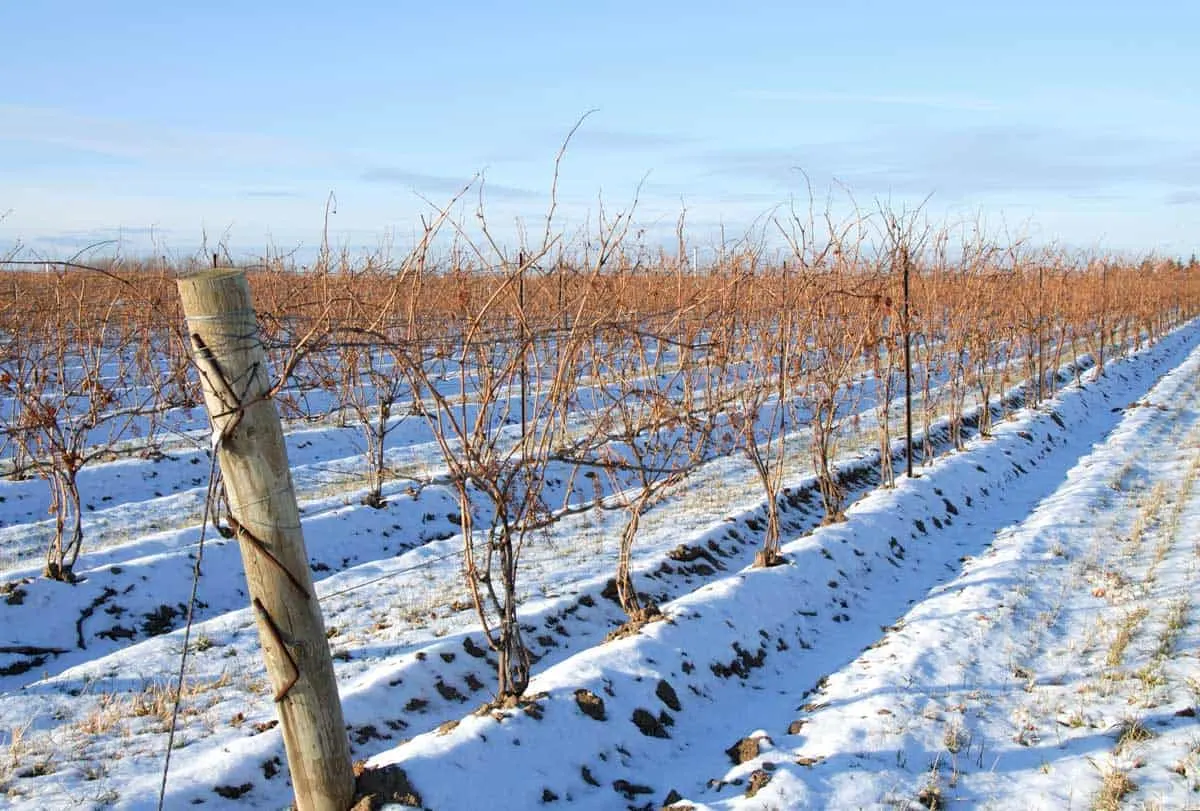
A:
(1012, 629)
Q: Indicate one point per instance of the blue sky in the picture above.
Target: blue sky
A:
(1068, 122)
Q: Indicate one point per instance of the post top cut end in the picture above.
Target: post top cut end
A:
(210, 274)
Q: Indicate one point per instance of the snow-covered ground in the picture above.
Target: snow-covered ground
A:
(1014, 628)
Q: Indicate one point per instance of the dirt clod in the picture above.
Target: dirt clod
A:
(758, 779)
(379, 787)
(743, 751)
(648, 724)
(271, 767)
(162, 619)
(13, 594)
(233, 792)
(449, 691)
(366, 733)
(637, 620)
(609, 592)
(630, 790)
(674, 802)
(590, 704)
(667, 695)
(741, 665)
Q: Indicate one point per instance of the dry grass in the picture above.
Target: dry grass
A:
(104, 717)
(155, 701)
(1124, 635)
(18, 747)
(1115, 785)
(1148, 512)
(956, 738)
(138, 717)
(1130, 732)
(1173, 624)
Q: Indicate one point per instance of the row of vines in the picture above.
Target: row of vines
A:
(613, 370)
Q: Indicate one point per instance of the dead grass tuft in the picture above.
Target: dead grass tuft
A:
(1115, 785)
(1124, 635)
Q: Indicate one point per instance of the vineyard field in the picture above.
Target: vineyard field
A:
(608, 537)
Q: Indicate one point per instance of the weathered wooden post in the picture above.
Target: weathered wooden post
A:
(908, 428)
(262, 503)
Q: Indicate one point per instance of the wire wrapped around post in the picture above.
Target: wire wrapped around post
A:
(231, 362)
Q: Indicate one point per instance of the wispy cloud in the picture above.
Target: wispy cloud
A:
(442, 184)
(97, 241)
(147, 142)
(972, 161)
(1183, 198)
(939, 102)
(626, 140)
(272, 194)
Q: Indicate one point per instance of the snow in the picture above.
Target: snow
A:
(1002, 632)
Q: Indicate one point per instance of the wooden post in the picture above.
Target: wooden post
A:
(524, 339)
(908, 428)
(263, 512)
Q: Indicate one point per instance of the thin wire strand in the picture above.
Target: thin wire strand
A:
(416, 567)
(187, 628)
(224, 316)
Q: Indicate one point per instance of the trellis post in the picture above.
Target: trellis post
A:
(232, 364)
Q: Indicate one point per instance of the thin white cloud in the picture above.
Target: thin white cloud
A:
(147, 141)
(626, 140)
(1184, 198)
(272, 193)
(442, 184)
(833, 97)
(972, 161)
